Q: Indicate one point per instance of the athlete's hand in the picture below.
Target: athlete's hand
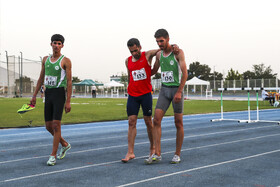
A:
(175, 49)
(177, 98)
(67, 107)
(33, 101)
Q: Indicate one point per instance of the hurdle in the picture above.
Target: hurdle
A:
(257, 100)
(222, 109)
(249, 109)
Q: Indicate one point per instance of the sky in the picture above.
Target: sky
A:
(223, 34)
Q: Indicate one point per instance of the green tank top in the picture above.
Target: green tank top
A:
(55, 76)
(170, 70)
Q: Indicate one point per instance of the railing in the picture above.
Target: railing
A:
(29, 87)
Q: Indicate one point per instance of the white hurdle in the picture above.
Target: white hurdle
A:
(222, 109)
(257, 95)
(249, 108)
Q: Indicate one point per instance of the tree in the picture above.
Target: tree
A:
(218, 76)
(259, 72)
(75, 79)
(201, 71)
(124, 79)
(248, 75)
(262, 72)
(233, 75)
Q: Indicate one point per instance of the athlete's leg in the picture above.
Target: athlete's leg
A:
(147, 107)
(157, 130)
(161, 107)
(180, 132)
(50, 128)
(132, 109)
(56, 136)
(150, 130)
(132, 131)
(178, 108)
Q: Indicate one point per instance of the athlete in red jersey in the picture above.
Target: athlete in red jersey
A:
(139, 76)
(139, 93)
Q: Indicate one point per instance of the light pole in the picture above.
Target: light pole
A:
(214, 80)
(8, 73)
(21, 74)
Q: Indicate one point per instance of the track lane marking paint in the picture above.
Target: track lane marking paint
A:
(112, 162)
(199, 168)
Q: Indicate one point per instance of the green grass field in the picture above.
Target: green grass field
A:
(103, 109)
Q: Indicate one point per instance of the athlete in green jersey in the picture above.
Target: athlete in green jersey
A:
(56, 74)
(170, 70)
(173, 77)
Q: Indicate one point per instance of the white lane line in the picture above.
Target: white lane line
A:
(166, 118)
(67, 128)
(169, 131)
(199, 168)
(147, 142)
(117, 161)
(113, 137)
(59, 171)
(84, 133)
(96, 126)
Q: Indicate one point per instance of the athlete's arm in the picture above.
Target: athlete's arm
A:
(39, 82)
(68, 68)
(128, 73)
(156, 64)
(150, 54)
(182, 63)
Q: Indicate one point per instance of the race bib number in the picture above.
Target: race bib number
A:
(50, 80)
(167, 76)
(139, 74)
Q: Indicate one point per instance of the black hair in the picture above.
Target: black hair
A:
(161, 33)
(133, 41)
(58, 37)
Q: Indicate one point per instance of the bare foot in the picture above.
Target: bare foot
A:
(128, 157)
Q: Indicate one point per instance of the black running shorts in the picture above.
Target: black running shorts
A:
(133, 104)
(54, 103)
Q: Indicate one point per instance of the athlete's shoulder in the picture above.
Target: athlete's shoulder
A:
(45, 59)
(128, 58)
(158, 54)
(66, 59)
(180, 52)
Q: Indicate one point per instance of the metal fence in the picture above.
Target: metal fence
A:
(20, 81)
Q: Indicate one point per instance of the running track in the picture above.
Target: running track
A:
(224, 153)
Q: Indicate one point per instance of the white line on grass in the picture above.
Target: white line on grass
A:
(199, 168)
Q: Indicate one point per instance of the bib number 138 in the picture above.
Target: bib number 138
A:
(139, 74)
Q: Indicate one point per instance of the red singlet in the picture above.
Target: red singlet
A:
(139, 76)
